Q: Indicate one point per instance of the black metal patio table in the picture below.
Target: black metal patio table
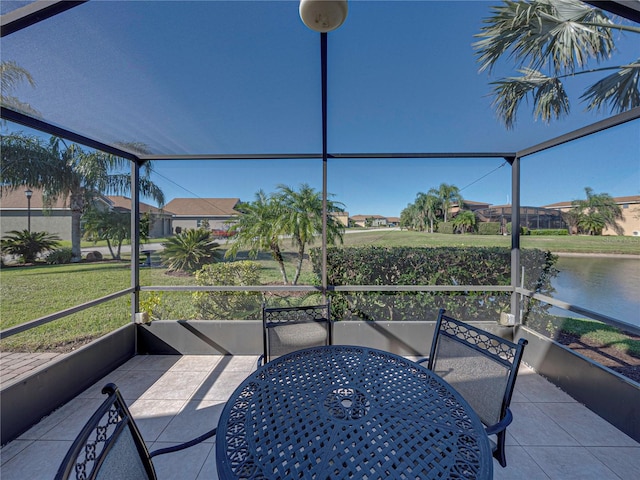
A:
(343, 412)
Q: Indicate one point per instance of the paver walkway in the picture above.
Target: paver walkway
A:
(13, 365)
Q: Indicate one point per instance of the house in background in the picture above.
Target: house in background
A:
(341, 217)
(533, 218)
(191, 212)
(368, 220)
(630, 222)
(55, 219)
(160, 217)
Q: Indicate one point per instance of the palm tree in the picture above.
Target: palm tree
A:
(68, 172)
(190, 250)
(597, 211)
(408, 216)
(591, 223)
(301, 217)
(427, 206)
(11, 76)
(447, 196)
(259, 228)
(551, 40)
(465, 221)
(28, 245)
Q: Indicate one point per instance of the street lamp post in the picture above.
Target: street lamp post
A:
(28, 193)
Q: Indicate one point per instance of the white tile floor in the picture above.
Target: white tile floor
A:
(176, 398)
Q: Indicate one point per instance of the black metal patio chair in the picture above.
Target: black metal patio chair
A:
(287, 329)
(110, 445)
(483, 368)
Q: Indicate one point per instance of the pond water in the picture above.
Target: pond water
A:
(609, 286)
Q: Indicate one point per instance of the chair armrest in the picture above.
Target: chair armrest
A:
(422, 360)
(501, 425)
(260, 361)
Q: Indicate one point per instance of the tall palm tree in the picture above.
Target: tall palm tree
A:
(259, 228)
(551, 40)
(427, 206)
(11, 76)
(447, 195)
(408, 216)
(301, 217)
(70, 173)
(597, 211)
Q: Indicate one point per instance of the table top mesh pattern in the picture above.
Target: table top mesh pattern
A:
(348, 412)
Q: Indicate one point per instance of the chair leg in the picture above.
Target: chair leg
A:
(499, 452)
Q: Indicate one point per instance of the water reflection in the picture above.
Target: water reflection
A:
(610, 286)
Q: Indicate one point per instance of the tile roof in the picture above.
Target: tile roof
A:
(364, 217)
(15, 199)
(203, 206)
(118, 201)
(627, 199)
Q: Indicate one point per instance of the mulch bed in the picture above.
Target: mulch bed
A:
(624, 364)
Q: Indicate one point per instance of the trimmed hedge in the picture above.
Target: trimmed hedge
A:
(476, 266)
(445, 227)
(489, 228)
(550, 231)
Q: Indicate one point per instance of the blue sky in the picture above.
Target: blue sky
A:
(243, 77)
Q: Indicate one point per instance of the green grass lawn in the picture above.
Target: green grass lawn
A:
(28, 293)
(567, 244)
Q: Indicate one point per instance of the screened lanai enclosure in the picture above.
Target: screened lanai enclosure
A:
(186, 106)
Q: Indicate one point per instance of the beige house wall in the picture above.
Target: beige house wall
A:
(630, 222)
(342, 217)
(55, 222)
(192, 223)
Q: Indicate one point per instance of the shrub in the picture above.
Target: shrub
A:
(28, 245)
(190, 251)
(550, 231)
(59, 257)
(523, 230)
(429, 266)
(228, 305)
(150, 303)
(445, 227)
(489, 228)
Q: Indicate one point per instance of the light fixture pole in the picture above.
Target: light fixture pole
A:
(28, 193)
(323, 16)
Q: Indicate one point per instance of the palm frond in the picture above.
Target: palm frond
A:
(618, 91)
(549, 98)
(560, 35)
(11, 76)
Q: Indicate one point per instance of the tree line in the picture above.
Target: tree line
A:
(588, 216)
(435, 206)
